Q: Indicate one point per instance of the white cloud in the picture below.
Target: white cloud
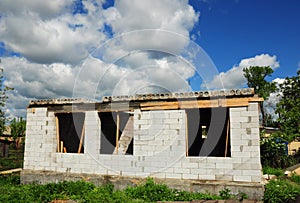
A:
(63, 38)
(234, 78)
(271, 102)
(45, 9)
(151, 25)
(279, 80)
(55, 44)
(260, 60)
(173, 15)
(34, 80)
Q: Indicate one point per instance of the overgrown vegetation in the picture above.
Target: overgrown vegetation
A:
(274, 152)
(12, 191)
(281, 190)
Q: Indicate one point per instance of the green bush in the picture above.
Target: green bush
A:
(273, 152)
(295, 178)
(150, 191)
(273, 171)
(280, 190)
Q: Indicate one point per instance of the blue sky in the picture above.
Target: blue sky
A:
(233, 30)
(48, 48)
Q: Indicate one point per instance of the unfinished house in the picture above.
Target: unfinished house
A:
(196, 141)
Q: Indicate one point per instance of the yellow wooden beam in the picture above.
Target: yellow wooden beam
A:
(213, 103)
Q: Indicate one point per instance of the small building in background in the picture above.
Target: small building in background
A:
(291, 148)
(5, 141)
(195, 141)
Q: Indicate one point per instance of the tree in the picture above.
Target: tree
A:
(3, 99)
(288, 107)
(255, 76)
(18, 129)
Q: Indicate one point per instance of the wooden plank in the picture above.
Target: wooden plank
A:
(116, 109)
(227, 135)
(198, 104)
(57, 132)
(160, 103)
(159, 108)
(213, 103)
(117, 133)
(11, 171)
(186, 135)
(81, 138)
(61, 146)
(8, 139)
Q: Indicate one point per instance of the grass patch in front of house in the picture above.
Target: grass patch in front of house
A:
(12, 191)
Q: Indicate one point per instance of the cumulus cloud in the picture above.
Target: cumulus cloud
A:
(53, 36)
(89, 53)
(45, 10)
(151, 25)
(128, 15)
(38, 80)
(234, 78)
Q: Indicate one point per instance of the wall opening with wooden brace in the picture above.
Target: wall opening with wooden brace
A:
(208, 132)
(70, 132)
(116, 133)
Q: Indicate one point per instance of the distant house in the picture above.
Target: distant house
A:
(291, 148)
(5, 141)
(196, 141)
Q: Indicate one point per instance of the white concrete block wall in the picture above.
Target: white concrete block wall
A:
(245, 142)
(92, 133)
(39, 140)
(159, 148)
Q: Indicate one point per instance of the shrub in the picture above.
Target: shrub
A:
(273, 152)
(295, 178)
(273, 171)
(150, 191)
(281, 191)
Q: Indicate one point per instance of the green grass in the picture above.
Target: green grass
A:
(284, 189)
(14, 160)
(12, 191)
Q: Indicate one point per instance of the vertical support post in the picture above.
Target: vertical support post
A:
(117, 133)
(81, 138)
(227, 134)
(186, 135)
(61, 146)
(57, 133)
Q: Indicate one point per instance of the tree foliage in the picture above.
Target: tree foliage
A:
(18, 127)
(255, 76)
(288, 108)
(18, 130)
(3, 99)
(273, 151)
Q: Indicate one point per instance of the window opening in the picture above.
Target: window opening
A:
(70, 134)
(208, 132)
(116, 133)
